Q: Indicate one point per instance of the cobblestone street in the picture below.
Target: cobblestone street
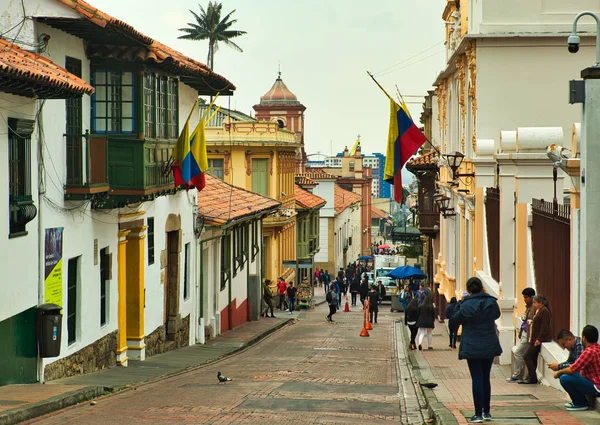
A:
(309, 372)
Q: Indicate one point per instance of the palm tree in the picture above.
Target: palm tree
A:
(209, 26)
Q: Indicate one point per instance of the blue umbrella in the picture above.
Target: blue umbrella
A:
(365, 257)
(407, 272)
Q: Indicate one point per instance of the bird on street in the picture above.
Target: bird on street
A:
(222, 378)
(430, 385)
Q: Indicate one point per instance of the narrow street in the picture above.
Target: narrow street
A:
(308, 372)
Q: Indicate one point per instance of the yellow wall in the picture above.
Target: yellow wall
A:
(122, 285)
(135, 284)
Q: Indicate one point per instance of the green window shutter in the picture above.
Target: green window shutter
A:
(260, 176)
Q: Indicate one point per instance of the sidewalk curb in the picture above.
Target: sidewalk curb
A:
(34, 410)
(15, 416)
(436, 409)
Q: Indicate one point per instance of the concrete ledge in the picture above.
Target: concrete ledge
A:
(550, 353)
(30, 411)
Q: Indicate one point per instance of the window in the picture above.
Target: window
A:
(260, 176)
(113, 106)
(240, 248)
(215, 167)
(255, 239)
(72, 283)
(186, 272)
(150, 221)
(21, 208)
(74, 130)
(104, 277)
(225, 260)
(161, 103)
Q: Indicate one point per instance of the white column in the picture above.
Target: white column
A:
(590, 196)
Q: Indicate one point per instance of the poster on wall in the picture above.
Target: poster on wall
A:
(53, 247)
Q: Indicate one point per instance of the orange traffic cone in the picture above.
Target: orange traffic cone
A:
(364, 331)
(347, 307)
(367, 316)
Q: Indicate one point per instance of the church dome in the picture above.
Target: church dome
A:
(279, 95)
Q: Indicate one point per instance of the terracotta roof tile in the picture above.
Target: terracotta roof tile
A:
(344, 198)
(426, 160)
(36, 70)
(220, 202)
(308, 200)
(149, 49)
(304, 180)
(378, 213)
(317, 173)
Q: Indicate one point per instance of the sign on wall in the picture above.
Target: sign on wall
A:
(53, 247)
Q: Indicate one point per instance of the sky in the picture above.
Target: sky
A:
(324, 48)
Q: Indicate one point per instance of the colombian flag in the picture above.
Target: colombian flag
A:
(191, 160)
(404, 139)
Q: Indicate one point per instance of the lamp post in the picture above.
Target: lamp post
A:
(587, 292)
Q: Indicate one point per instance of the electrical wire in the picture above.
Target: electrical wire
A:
(406, 60)
(411, 64)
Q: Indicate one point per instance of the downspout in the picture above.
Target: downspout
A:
(41, 259)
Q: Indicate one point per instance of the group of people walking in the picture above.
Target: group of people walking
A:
(286, 296)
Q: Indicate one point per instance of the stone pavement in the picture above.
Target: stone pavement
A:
(312, 372)
(451, 402)
(22, 402)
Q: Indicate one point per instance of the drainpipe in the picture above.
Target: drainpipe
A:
(41, 259)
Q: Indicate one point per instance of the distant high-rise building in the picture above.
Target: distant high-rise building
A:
(376, 161)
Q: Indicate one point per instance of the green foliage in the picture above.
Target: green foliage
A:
(210, 26)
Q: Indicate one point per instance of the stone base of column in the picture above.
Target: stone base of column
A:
(136, 349)
(122, 357)
(507, 340)
(201, 333)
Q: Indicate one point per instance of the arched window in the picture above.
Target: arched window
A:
(281, 123)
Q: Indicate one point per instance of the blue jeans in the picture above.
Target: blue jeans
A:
(480, 380)
(578, 387)
(291, 304)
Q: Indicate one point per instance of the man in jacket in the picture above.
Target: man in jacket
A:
(364, 291)
(281, 287)
(373, 304)
(331, 299)
(519, 371)
(567, 341)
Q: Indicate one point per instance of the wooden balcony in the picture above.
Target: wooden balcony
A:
(86, 167)
(428, 221)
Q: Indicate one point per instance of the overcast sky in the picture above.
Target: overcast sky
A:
(325, 48)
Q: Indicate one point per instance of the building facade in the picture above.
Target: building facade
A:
(501, 125)
(108, 209)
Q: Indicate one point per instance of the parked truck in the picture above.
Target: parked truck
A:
(383, 264)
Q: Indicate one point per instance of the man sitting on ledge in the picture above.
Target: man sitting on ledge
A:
(567, 341)
(582, 378)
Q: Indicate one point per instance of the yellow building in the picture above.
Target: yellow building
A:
(261, 155)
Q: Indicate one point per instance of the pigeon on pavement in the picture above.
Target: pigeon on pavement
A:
(430, 385)
(222, 378)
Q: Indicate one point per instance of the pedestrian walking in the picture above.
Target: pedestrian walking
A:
(281, 288)
(331, 299)
(426, 322)
(354, 290)
(479, 343)
(381, 290)
(373, 304)
(364, 291)
(582, 378)
(267, 297)
(421, 294)
(291, 295)
(540, 332)
(411, 314)
(450, 309)
(519, 370)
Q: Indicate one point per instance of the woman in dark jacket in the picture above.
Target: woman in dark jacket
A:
(450, 310)
(479, 343)
(354, 289)
(411, 314)
(540, 331)
(426, 321)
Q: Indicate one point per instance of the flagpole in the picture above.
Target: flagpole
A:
(379, 85)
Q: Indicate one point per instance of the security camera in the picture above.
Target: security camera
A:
(574, 41)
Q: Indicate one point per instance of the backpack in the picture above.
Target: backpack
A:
(329, 297)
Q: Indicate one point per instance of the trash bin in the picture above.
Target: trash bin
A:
(49, 324)
(396, 304)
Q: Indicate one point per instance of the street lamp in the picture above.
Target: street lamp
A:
(574, 39)
(454, 160)
(442, 202)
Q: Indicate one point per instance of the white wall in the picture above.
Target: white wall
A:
(524, 83)
(19, 259)
(323, 255)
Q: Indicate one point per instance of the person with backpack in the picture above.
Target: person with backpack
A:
(331, 299)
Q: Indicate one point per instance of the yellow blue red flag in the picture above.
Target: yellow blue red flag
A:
(191, 160)
(404, 139)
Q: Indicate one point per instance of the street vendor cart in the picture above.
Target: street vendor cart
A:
(305, 295)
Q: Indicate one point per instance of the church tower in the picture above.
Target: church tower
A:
(280, 105)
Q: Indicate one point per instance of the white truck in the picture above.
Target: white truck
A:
(383, 264)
